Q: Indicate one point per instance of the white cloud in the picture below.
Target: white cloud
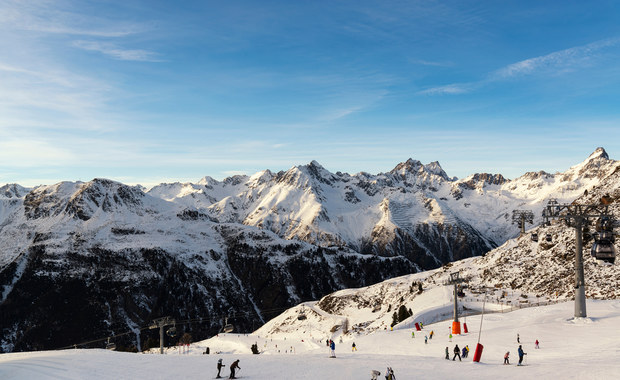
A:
(451, 89)
(115, 52)
(431, 63)
(58, 17)
(559, 60)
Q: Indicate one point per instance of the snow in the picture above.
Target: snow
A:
(585, 348)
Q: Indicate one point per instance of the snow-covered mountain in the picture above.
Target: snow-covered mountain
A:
(520, 273)
(82, 260)
(414, 210)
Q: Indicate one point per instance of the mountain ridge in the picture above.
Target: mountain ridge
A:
(123, 255)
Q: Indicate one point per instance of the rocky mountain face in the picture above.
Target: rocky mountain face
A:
(81, 261)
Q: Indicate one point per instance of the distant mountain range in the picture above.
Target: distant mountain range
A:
(80, 261)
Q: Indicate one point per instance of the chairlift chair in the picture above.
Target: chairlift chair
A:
(603, 248)
(228, 327)
(301, 316)
(548, 238)
(604, 252)
(172, 332)
(535, 237)
(110, 346)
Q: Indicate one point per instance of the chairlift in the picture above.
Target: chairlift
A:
(585, 233)
(302, 314)
(110, 346)
(604, 224)
(603, 248)
(172, 332)
(548, 238)
(535, 237)
(604, 252)
(228, 327)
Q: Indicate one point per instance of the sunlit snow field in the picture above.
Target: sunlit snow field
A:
(569, 349)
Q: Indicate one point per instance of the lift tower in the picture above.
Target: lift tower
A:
(161, 323)
(520, 217)
(576, 215)
(455, 280)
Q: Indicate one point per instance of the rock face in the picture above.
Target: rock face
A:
(82, 261)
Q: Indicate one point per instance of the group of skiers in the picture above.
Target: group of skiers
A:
(521, 355)
(519, 351)
(233, 367)
(458, 352)
(332, 348)
(389, 374)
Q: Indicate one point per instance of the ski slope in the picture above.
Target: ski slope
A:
(586, 348)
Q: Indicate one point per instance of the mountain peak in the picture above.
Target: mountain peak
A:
(316, 164)
(410, 165)
(416, 168)
(599, 153)
(597, 164)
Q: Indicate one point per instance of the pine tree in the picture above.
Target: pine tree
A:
(403, 313)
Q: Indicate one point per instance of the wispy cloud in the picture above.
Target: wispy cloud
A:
(58, 17)
(115, 52)
(560, 60)
(555, 63)
(451, 89)
(431, 63)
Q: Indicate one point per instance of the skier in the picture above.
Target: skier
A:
(447, 354)
(518, 339)
(521, 354)
(219, 368)
(374, 373)
(464, 353)
(412, 334)
(431, 334)
(425, 339)
(536, 344)
(506, 355)
(457, 352)
(233, 367)
(353, 348)
(467, 348)
(332, 346)
(450, 337)
(389, 374)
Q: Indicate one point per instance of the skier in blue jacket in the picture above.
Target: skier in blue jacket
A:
(521, 353)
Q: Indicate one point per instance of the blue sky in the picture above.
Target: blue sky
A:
(159, 91)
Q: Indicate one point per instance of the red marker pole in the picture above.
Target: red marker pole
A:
(479, 347)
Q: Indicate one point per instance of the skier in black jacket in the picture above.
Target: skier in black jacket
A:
(457, 352)
(219, 368)
(234, 366)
